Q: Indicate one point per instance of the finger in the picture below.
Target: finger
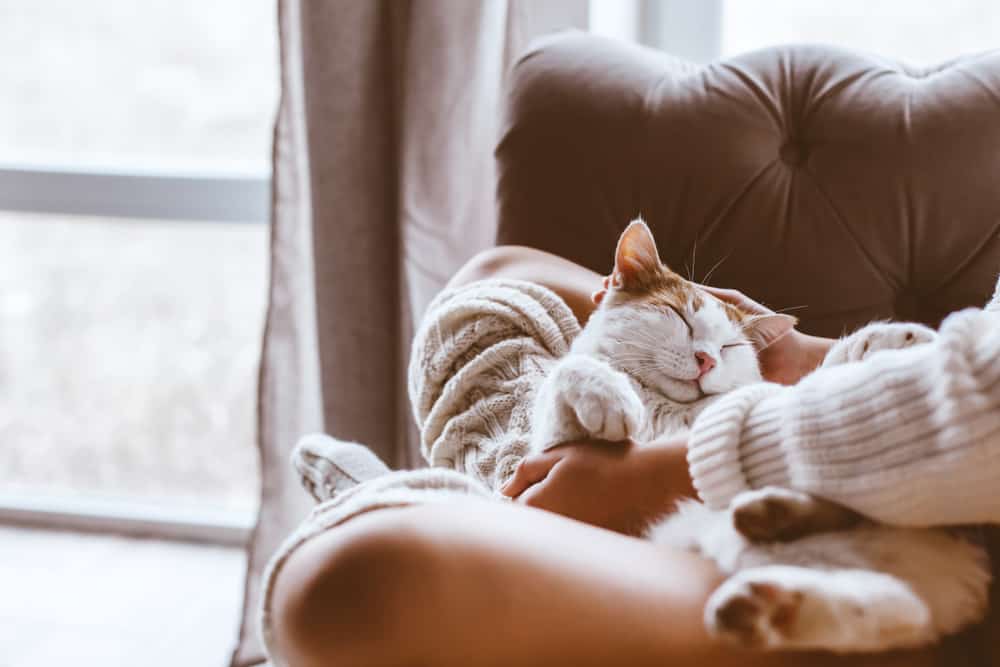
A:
(535, 496)
(531, 470)
(599, 295)
(730, 295)
(543, 494)
(739, 299)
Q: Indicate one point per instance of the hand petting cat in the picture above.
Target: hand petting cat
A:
(561, 479)
(787, 359)
(619, 486)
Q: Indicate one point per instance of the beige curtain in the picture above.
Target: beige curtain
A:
(383, 186)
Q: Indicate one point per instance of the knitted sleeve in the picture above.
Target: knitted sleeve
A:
(478, 355)
(910, 437)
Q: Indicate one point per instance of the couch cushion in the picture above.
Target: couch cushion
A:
(845, 186)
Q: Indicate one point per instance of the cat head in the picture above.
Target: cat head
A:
(672, 334)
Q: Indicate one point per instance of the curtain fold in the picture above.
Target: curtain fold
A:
(383, 185)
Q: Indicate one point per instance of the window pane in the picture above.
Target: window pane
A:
(128, 357)
(920, 32)
(158, 83)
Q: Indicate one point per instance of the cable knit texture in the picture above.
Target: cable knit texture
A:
(477, 358)
(910, 437)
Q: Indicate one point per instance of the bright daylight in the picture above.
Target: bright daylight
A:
(492, 333)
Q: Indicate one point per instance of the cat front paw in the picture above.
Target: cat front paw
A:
(877, 337)
(607, 412)
(585, 398)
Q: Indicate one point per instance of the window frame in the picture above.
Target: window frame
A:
(132, 519)
(682, 28)
(689, 30)
(146, 194)
(142, 195)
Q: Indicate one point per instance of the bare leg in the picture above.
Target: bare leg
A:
(572, 282)
(493, 584)
(796, 355)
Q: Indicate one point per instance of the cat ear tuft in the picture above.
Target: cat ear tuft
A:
(636, 258)
(764, 330)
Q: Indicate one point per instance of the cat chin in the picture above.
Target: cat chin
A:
(683, 392)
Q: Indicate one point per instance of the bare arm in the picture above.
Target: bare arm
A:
(493, 584)
(574, 283)
(784, 362)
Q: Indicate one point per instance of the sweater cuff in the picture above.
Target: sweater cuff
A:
(715, 446)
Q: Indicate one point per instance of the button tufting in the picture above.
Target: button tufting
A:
(793, 153)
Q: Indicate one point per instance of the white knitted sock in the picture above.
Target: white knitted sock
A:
(328, 466)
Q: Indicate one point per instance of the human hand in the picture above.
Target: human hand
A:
(619, 486)
(786, 359)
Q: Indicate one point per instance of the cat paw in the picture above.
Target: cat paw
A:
(877, 337)
(585, 398)
(775, 514)
(798, 608)
(606, 411)
(771, 514)
(754, 614)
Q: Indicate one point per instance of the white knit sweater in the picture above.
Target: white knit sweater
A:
(909, 437)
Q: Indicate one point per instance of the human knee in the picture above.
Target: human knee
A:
(489, 263)
(350, 596)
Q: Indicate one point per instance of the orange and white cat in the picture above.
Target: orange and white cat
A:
(804, 573)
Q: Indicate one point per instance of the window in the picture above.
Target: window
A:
(134, 163)
(920, 32)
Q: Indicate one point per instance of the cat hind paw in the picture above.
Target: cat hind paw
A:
(753, 614)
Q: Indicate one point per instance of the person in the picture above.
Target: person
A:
(487, 583)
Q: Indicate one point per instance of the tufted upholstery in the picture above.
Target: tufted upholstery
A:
(851, 185)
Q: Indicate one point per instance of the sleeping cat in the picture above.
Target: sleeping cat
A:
(655, 353)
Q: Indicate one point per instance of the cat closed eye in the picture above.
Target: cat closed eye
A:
(735, 345)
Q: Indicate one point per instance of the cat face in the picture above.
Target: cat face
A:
(671, 334)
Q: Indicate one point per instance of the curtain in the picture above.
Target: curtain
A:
(383, 185)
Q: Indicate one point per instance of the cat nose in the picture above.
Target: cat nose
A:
(705, 362)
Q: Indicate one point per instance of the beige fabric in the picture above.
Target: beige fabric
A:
(477, 358)
(397, 489)
(383, 186)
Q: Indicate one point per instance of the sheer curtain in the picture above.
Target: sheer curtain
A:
(384, 183)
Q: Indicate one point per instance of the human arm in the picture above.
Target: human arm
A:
(793, 437)
(618, 486)
(907, 437)
(786, 361)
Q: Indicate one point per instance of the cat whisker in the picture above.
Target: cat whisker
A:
(708, 276)
(694, 259)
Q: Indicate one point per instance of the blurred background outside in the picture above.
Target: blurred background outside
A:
(128, 348)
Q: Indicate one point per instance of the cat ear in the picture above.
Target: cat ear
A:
(636, 258)
(763, 330)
